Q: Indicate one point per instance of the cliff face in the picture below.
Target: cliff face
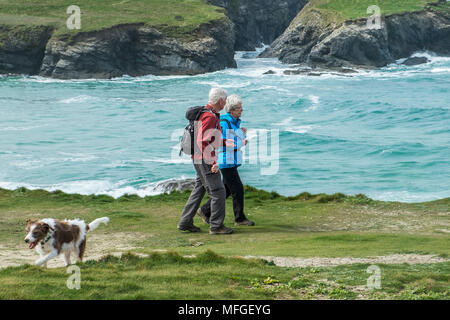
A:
(133, 49)
(22, 49)
(137, 49)
(311, 40)
(259, 21)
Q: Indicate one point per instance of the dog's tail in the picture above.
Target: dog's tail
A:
(94, 224)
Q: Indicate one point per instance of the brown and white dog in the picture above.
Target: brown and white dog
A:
(52, 237)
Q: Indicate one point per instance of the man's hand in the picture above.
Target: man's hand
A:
(215, 168)
(244, 130)
(229, 143)
(245, 142)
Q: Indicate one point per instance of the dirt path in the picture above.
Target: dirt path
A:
(331, 262)
(99, 245)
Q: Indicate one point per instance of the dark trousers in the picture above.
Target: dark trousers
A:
(233, 187)
(206, 182)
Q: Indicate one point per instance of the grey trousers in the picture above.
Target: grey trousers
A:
(206, 182)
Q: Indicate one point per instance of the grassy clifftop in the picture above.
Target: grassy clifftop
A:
(337, 11)
(301, 226)
(354, 9)
(174, 16)
(304, 225)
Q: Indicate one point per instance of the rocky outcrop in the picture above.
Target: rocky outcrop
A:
(313, 41)
(22, 49)
(171, 185)
(414, 61)
(317, 72)
(133, 49)
(259, 21)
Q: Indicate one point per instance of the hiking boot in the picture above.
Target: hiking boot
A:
(202, 215)
(244, 223)
(191, 228)
(222, 230)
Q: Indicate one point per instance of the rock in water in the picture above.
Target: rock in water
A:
(270, 72)
(415, 61)
(249, 55)
(171, 185)
(295, 72)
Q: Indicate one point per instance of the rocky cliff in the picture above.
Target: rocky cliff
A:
(132, 49)
(22, 48)
(137, 49)
(259, 21)
(313, 40)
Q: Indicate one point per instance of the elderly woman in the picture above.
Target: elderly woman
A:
(229, 161)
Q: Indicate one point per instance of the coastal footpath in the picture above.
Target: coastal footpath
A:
(335, 34)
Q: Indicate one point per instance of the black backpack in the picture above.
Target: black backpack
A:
(188, 140)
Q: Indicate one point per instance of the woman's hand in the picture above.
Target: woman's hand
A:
(215, 168)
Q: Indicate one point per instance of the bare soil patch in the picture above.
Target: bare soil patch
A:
(331, 262)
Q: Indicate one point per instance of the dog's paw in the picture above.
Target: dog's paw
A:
(38, 262)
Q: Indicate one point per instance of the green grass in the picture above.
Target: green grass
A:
(302, 226)
(354, 9)
(421, 281)
(442, 6)
(335, 12)
(175, 17)
(160, 276)
(210, 276)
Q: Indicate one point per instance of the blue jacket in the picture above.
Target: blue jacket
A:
(229, 158)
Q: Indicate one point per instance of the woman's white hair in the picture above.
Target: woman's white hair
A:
(233, 102)
(215, 94)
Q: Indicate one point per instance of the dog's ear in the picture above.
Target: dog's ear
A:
(29, 223)
(45, 227)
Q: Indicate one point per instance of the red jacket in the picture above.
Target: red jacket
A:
(209, 136)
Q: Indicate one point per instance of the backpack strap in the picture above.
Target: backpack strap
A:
(228, 122)
(210, 111)
(231, 130)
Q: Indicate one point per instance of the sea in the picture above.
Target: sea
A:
(384, 133)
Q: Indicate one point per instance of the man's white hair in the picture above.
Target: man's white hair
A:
(233, 102)
(215, 94)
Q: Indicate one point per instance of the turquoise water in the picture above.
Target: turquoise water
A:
(385, 133)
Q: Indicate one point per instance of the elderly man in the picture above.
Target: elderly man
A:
(208, 140)
(229, 161)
